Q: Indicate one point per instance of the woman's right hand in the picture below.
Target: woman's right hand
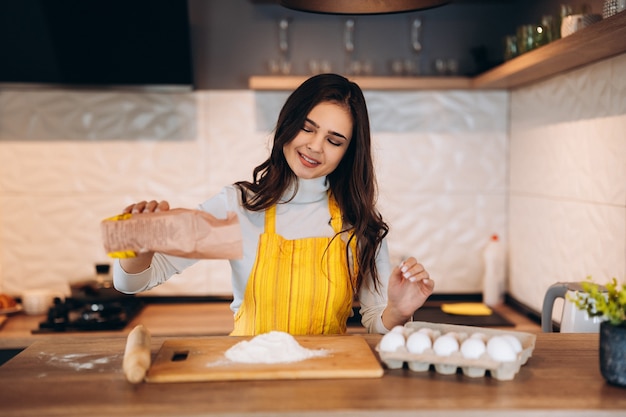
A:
(143, 260)
(147, 207)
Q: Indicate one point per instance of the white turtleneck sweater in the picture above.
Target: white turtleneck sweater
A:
(306, 215)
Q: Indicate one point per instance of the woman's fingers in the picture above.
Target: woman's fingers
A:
(147, 207)
(413, 270)
(163, 206)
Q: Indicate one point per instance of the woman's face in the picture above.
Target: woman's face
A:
(323, 140)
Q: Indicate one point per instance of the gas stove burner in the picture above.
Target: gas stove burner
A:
(76, 315)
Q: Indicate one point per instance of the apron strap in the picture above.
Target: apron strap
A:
(336, 221)
(270, 220)
(335, 214)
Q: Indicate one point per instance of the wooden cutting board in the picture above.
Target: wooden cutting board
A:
(202, 359)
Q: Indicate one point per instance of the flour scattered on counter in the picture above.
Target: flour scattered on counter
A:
(78, 361)
(272, 347)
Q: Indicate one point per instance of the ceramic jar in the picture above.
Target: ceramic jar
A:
(612, 7)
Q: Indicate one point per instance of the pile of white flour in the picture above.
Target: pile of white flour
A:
(272, 347)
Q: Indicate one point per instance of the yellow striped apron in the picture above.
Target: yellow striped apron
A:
(299, 286)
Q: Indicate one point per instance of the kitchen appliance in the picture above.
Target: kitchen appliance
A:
(79, 315)
(361, 7)
(573, 320)
(116, 44)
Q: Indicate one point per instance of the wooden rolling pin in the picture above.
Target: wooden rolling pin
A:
(137, 354)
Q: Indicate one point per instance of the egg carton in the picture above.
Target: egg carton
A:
(448, 365)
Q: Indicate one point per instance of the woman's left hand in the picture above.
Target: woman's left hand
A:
(410, 286)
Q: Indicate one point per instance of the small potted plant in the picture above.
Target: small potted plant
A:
(609, 303)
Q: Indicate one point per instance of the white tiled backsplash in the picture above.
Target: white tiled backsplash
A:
(567, 199)
(543, 166)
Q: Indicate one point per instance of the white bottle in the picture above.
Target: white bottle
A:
(494, 279)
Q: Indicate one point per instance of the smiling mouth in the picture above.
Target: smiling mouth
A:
(308, 161)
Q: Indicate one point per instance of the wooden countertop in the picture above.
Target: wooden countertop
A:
(169, 319)
(72, 376)
(79, 374)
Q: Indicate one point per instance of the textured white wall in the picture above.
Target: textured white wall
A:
(442, 166)
(568, 180)
(69, 159)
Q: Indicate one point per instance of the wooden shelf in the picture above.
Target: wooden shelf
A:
(290, 82)
(599, 41)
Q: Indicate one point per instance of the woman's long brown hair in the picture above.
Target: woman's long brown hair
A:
(352, 183)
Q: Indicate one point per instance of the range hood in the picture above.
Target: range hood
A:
(361, 6)
(110, 44)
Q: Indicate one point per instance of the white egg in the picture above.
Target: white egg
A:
(427, 331)
(514, 341)
(398, 329)
(445, 345)
(453, 334)
(418, 342)
(391, 342)
(473, 348)
(499, 349)
(479, 335)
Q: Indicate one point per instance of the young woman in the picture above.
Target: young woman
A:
(312, 237)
